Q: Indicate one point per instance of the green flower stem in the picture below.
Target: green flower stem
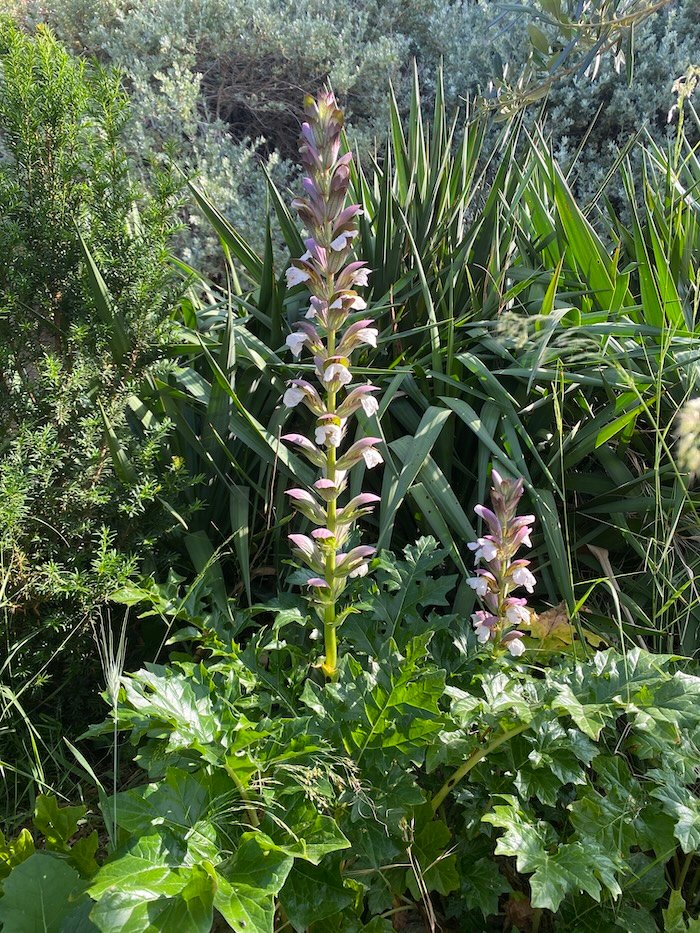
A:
(476, 756)
(330, 638)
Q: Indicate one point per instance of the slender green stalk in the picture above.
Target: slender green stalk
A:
(476, 756)
(330, 661)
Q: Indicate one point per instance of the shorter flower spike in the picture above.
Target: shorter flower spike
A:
(493, 583)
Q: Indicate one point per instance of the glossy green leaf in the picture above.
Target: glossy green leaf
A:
(305, 833)
(313, 893)
(249, 882)
(39, 894)
(433, 863)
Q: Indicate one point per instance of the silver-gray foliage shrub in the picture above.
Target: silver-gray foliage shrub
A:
(221, 80)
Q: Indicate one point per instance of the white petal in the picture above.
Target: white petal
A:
(339, 372)
(523, 577)
(517, 614)
(292, 397)
(516, 647)
(296, 342)
(368, 335)
(296, 276)
(360, 571)
(479, 584)
(342, 239)
(372, 457)
(488, 550)
(370, 405)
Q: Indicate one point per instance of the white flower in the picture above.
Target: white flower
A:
(330, 434)
(485, 549)
(343, 239)
(479, 584)
(296, 342)
(360, 571)
(336, 371)
(523, 577)
(517, 614)
(361, 277)
(516, 647)
(483, 633)
(372, 457)
(293, 396)
(369, 404)
(368, 335)
(296, 276)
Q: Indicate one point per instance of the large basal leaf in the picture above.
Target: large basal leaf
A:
(128, 908)
(482, 885)
(179, 804)
(57, 824)
(683, 805)
(151, 886)
(259, 864)
(39, 894)
(637, 683)
(314, 892)
(248, 883)
(176, 707)
(408, 588)
(433, 863)
(589, 717)
(554, 872)
(148, 867)
(13, 853)
(303, 832)
(244, 909)
(390, 710)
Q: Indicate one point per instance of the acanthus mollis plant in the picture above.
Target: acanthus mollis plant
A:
(500, 574)
(331, 333)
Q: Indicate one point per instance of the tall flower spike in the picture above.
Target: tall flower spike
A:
(498, 574)
(331, 277)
